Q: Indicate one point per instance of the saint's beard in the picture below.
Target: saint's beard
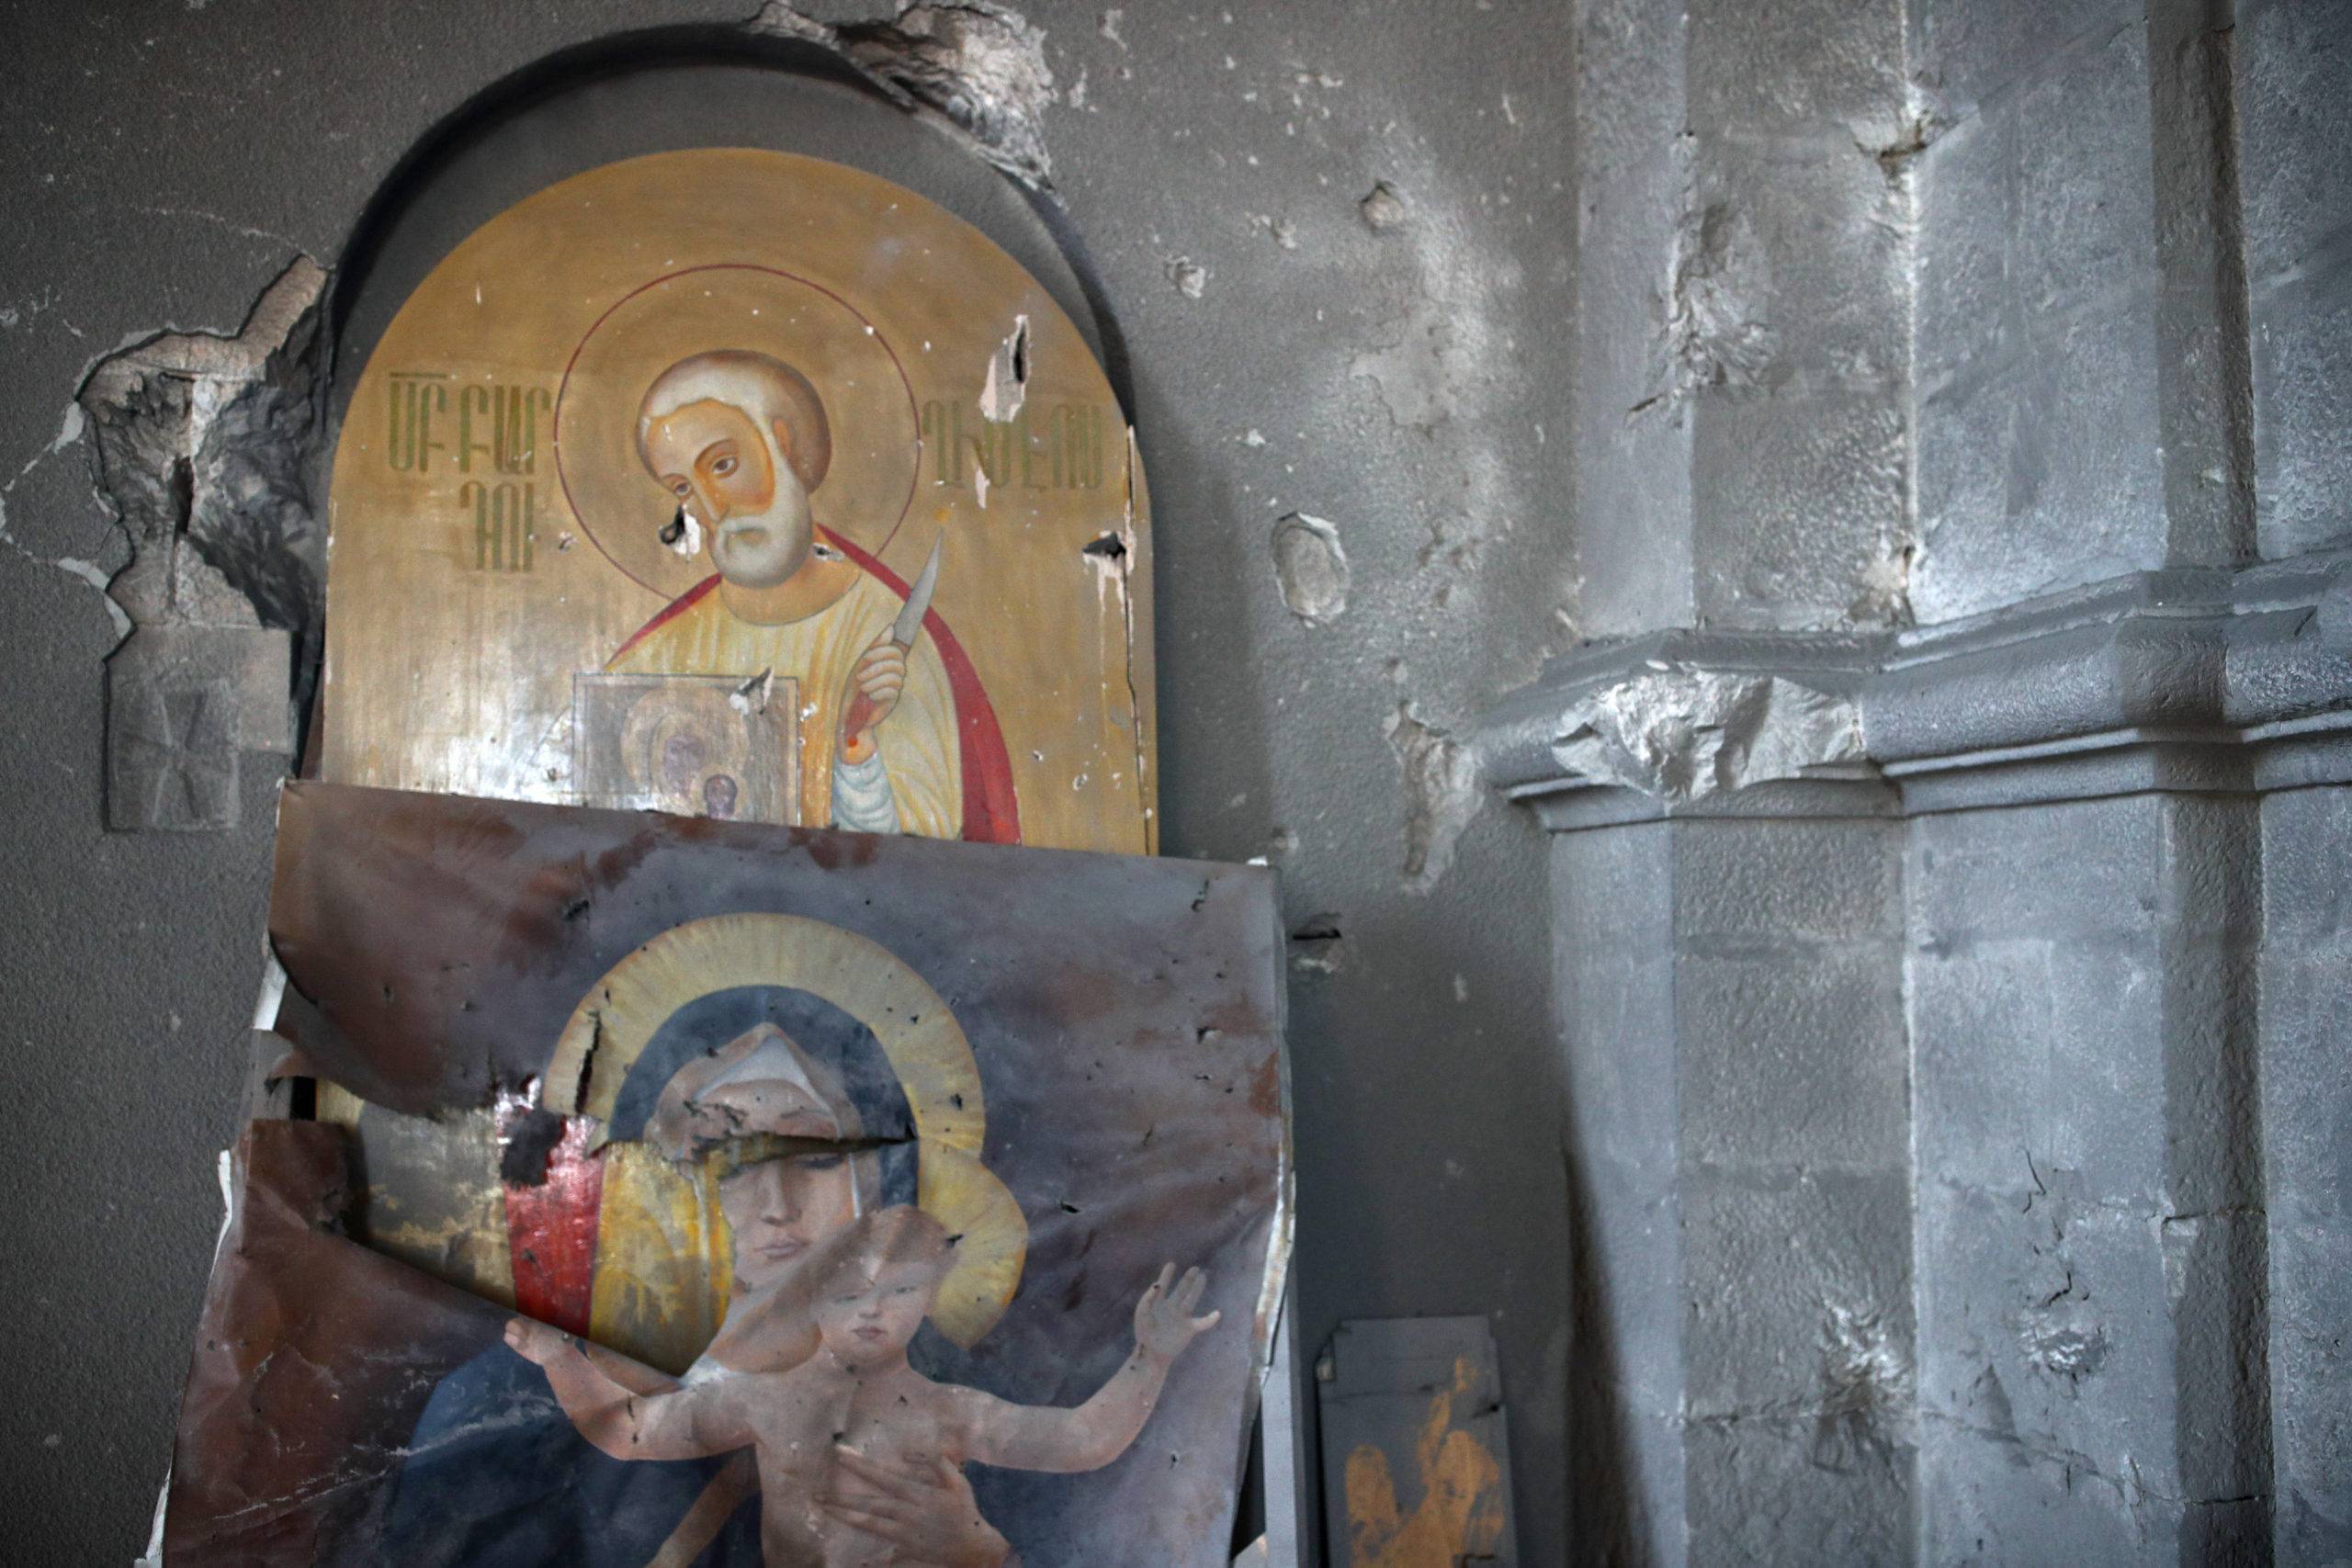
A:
(788, 528)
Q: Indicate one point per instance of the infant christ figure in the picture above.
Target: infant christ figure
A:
(859, 1392)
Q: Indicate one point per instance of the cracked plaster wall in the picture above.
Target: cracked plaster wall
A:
(1371, 325)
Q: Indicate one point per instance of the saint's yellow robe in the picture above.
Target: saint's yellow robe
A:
(917, 743)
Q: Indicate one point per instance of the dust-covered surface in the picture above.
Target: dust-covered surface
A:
(1960, 351)
(1070, 1061)
(309, 1346)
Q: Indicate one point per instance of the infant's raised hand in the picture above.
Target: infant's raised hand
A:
(535, 1342)
(1164, 1324)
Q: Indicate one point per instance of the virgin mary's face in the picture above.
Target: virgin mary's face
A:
(779, 1210)
(785, 1199)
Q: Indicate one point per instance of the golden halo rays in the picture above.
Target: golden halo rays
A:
(621, 1012)
(925, 1046)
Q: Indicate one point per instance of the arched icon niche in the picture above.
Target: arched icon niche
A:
(733, 481)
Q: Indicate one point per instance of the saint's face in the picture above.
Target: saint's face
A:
(730, 475)
(780, 1209)
(865, 1319)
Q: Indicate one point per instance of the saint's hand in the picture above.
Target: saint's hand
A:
(536, 1342)
(1164, 1320)
(928, 1512)
(874, 688)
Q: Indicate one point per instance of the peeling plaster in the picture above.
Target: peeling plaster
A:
(1312, 567)
(201, 448)
(1382, 208)
(979, 66)
(1456, 551)
(1418, 373)
(69, 432)
(1443, 359)
(1682, 735)
(1443, 793)
(1446, 368)
(1005, 386)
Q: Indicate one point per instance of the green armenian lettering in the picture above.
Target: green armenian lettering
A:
(1040, 448)
(505, 515)
(498, 424)
(417, 397)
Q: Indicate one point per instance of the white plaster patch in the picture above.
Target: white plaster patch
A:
(1311, 565)
(1005, 386)
(1441, 793)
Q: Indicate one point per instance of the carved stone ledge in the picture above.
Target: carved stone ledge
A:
(2199, 680)
(1689, 724)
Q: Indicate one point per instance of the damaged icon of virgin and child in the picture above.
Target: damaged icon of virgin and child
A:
(662, 1172)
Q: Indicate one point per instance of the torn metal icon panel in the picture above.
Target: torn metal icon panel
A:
(697, 1191)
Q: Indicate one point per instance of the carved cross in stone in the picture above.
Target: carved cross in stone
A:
(175, 760)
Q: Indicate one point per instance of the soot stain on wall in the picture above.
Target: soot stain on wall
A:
(1385, 254)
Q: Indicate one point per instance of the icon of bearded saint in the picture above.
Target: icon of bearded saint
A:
(896, 733)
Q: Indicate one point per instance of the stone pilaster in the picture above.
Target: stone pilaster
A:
(1728, 948)
(1968, 988)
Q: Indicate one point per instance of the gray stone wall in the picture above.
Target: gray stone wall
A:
(2037, 681)
(2090, 1240)
(1613, 985)
(2039, 457)
(1932, 409)
(2292, 72)
(2306, 1078)
(1754, 1230)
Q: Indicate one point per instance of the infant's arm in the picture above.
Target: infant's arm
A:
(689, 1422)
(1028, 1436)
(634, 1376)
(1048, 1437)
